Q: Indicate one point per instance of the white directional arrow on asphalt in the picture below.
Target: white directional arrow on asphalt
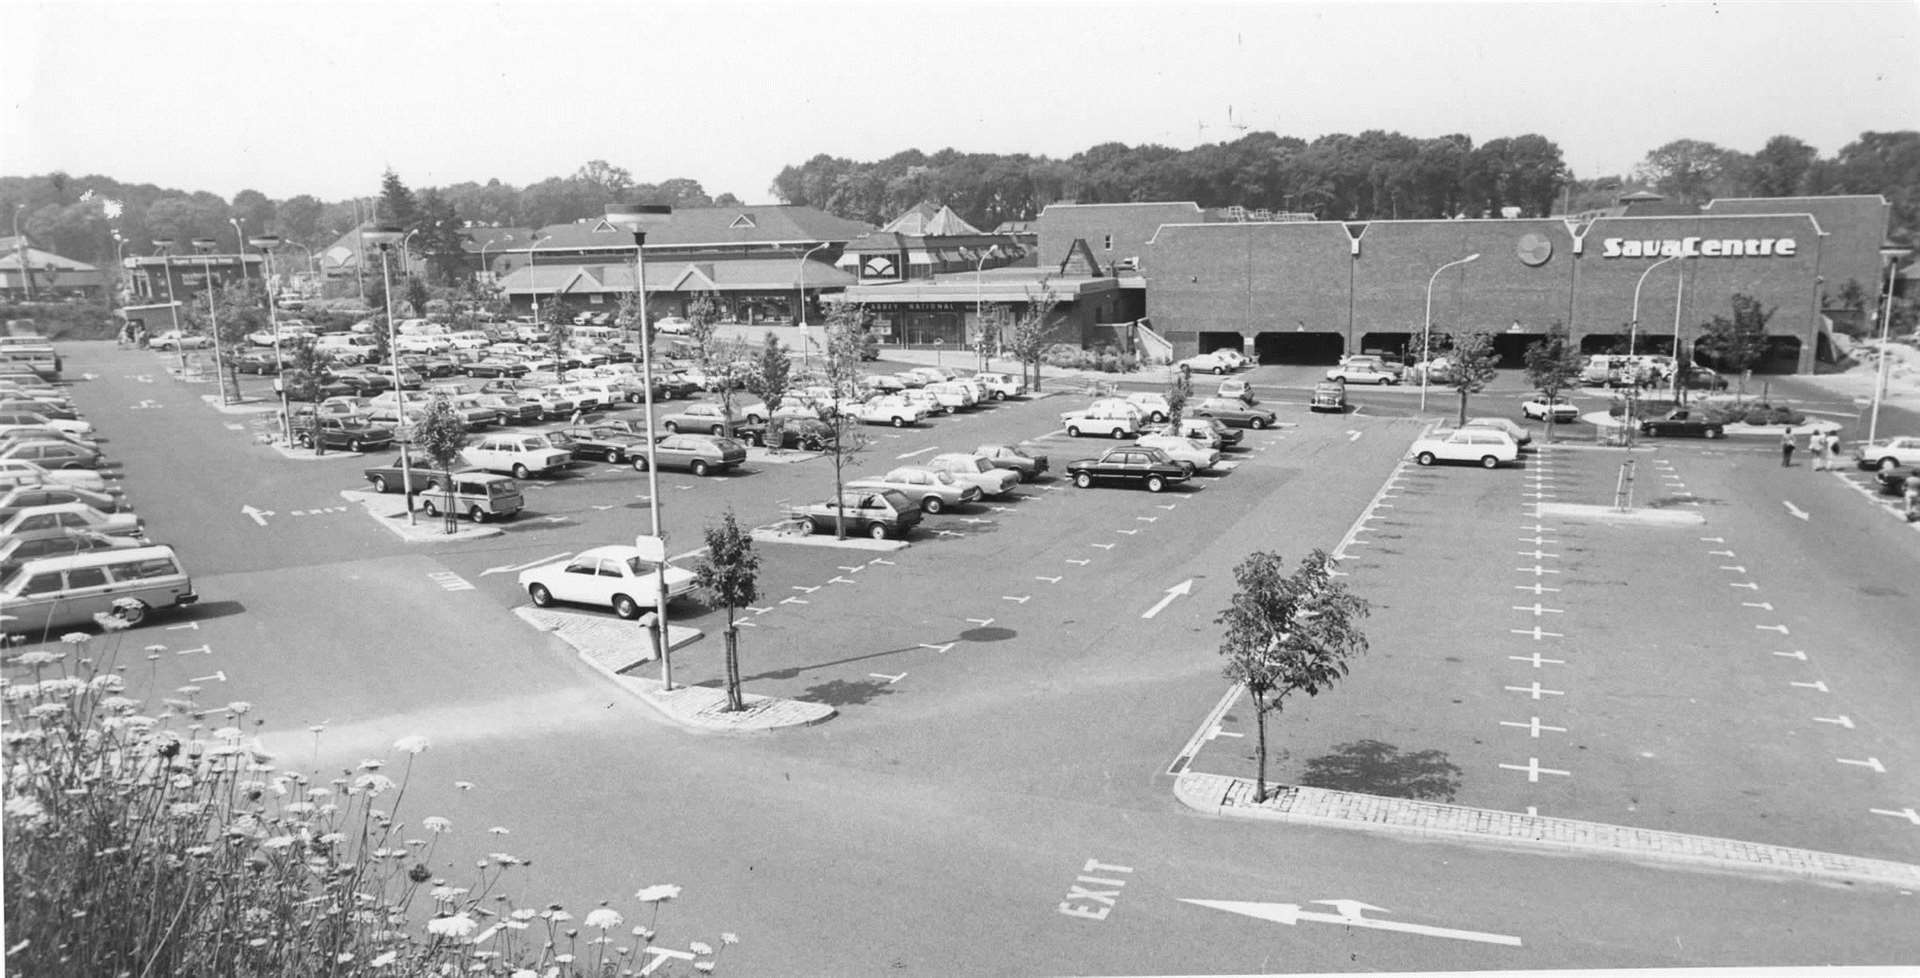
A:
(1184, 587)
(1795, 511)
(1348, 914)
(257, 515)
(508, 569)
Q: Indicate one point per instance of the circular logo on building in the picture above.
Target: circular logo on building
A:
(1534, 249)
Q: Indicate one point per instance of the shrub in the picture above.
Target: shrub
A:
(82, 319)
(142, 842)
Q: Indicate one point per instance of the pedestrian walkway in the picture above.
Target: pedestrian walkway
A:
(1231, 797)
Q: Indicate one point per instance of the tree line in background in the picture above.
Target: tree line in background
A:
(1373, 175)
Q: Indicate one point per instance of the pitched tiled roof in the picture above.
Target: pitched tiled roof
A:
(38, 259)
(495, 240)
(925, 219)
(761, 224)
(722, 275)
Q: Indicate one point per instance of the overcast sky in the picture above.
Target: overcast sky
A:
(292, 96)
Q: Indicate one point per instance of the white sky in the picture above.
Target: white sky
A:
(295, 96)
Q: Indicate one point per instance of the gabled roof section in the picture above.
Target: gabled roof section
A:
(1079, 261)
(744, 220)
(692, 226)
(39, 260)
(926, 220)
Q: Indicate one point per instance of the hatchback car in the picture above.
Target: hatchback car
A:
(701, 455)
(1028, 464)
(51, 454)
(1540, 405)
(933, 490)
(1486, 447)
(615, 577)
(1521, 436)
(863, 512)
(976, 470)
(1234, 412)
(57, 520)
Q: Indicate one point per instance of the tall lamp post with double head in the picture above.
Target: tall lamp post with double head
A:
(205, 247)
(1892, 256)
(384, 237)
(173, 305)
(1633, 325)
(801, 276)
(1426, 330)
(638, 219)
(266, 243)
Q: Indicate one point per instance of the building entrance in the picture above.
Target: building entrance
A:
(1299, 347)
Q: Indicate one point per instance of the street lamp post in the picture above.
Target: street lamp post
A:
(1893, 256)
(266, 243)
(312, 274)
(1633, 326)
(205, 247)
(638, 219)
(802, 279)
(484, 245)
(406, 256)
(384, 237)
(173, 305)
(533, 286)
(980, 309)
(119, 268)
(1426, 331)
(1680, 367)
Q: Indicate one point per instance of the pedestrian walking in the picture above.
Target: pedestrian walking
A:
(1817, 447)
(577, 415)
(1833, 449)
(1786, 449)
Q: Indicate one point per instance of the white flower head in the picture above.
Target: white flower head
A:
(700, 947)
(436, 824)
(459, 926)
(604, 918)
(658, 893)
(410, 745)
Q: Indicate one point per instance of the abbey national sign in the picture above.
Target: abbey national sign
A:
(1698, 248)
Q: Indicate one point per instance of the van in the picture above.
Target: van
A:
(479, 496)
(41, 360)
(594, 335)
(54, 593)
(354, 347)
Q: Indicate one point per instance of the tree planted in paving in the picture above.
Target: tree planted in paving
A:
(728, 574)
(1029, 341)
(1288, 633)
(846, 338)
(1179, 392)
(1473, 366)
(768, 380)
(300, 380)
(440, 435)
(1553, 366)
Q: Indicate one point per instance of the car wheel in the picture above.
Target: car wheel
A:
(133, 612)
(353, 445)
(1158, 417)
(806, 527)
(1887, 463)
(1217, 371)
(717, 430)
(999, 395)
(1073, 431)
(521, 471)
(932, 504)
(1489, 462)
(626, 607)
(305, 442)
(878, 531)
(379, 483)
(540, 595)
(699, 468)
(755, 419)
(1155, 483)
(672, 429)
(429, 508)
(1257, 423)
(1424, 458)
(477, 515)
(1715, 432)
(1382, 382)
(899, 422)
(617, 457)
(1083, 479)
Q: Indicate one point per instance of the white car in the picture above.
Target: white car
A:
(30, 419)
(929, 375)
(952, 395)
(1153, 405)
(933, 490)
(1002, 386)
(469, 339)
(1887, 453)
(895, 411)
(1358, 370)
(20, 472)
(1233, 356)
(1487, 447)
(1195, 455)
(1111, 416)
(672, 326)
(1520, 435)
(422, 343)
(174, 339)
(1214, 363)
(517, 455)
(968, 468)
(1539, 406)
(797, 407)
(925, 399)
(606, 577)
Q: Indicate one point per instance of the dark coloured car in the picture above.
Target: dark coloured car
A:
(361, 381)
(1133, 465)
(256, 362)
(1030, 465)
(389, 477)
(698, 454)
(873, 513)
(608, 443)
(1893, 478)
(351, 434)
(1234, 412)
(492, 367)
(1683, 423)
(677, 384)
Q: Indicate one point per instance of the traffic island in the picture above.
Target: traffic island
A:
(1650, 516)
(785, 456)
(787, 532)
(1231, 797)
(389, 509)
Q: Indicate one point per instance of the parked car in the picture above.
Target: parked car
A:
(392, 476)
(22, 472)
(865, 512)
(607, 443)
(1541, 404)
(1683, 422)
(1900, 450)
(56, 410)
(1329, 395)
(342, 432)
(615, 577)
(1238, 389)
(707, 416)
(1209, 363)
(933, 491)
(888, 410)
(261, 362)
(1208, 431)
(923, 399)
(1363, 370)
(1130, 465)
(1234, 413)
(1111, 417)
(1029, 465)
(14, 553)
(1486, 447)
(953, 395)
(17, 498)
(516, 454)
(810, 435)
(51, 454)
(1002, 386)
(1893, 478)
(968, 468)
(494, 367)
(175, 339)
(672, 325)
(1520, 435)
(58, 520)
(701, 455)
(1189, 454)
(1153, 405)
(479, 496)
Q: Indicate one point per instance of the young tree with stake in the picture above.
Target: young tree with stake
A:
(1553, 365)
(846, 338)
(1287, 633)
(728, 575)
(768, 380)
(1473, 363)
(440, 435)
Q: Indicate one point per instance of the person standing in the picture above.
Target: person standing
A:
(1833, 449)
(1786, 448)
(1817, 448)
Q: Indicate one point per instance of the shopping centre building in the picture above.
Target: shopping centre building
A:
(1639, 273)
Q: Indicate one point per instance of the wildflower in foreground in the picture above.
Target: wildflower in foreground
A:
(658, 893)
(604, 918)
(700, 947)
(436, 824)
(457, 926)
(410, 745)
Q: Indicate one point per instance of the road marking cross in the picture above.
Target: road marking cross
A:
(1534, 770)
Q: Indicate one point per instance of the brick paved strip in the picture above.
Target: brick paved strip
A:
(1229, 797)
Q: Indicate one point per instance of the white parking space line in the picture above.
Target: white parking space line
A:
(922, 451)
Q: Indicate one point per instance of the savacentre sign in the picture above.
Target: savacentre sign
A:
(1698, 248)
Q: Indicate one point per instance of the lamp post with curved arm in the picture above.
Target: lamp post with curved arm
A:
(205, 247)
(1426, 331)
(266, 243)
(484, 245)
(1633, 326)
(638, 219)
(802, 277)
(173, 305)
(406, 256)
(384, 237)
